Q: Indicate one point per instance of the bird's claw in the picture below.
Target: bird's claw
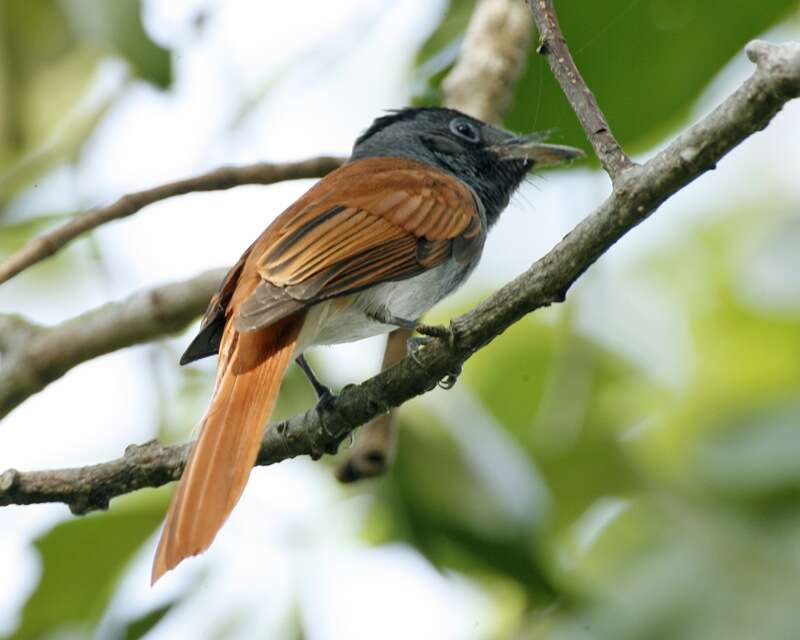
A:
(324, 404)
(325, 401)
(449, 381)
(415, 343)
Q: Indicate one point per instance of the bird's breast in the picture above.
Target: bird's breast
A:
(347, 319)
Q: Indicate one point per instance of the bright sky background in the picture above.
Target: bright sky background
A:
(316, 74)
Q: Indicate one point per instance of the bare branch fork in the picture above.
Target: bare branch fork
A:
(638, 191)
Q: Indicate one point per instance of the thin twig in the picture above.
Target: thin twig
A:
(49, 243)
(641, 191)
(553, 46)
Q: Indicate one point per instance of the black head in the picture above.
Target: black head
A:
(492, 161)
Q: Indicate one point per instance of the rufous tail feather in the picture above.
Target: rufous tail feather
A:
(249, 375)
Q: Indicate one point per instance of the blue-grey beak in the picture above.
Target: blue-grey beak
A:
(531, 147)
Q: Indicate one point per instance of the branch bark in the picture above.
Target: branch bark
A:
(639, 192)
(36, 356)
(223, 178)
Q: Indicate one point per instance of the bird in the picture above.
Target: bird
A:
(370, 247)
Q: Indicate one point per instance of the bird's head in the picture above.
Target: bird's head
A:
(491, 160)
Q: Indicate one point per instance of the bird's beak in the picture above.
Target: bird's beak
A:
(532, 148)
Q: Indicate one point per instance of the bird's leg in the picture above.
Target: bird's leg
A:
(415, 343)
(324, 394)
(384, 316)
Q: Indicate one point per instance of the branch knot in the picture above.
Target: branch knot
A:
(8, 481)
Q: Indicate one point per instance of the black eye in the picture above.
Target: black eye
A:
(465, 129)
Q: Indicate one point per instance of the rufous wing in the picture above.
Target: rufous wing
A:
(371, 221)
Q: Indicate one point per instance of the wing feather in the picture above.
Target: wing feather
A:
(371, 221)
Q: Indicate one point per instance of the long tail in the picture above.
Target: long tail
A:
(251, 368)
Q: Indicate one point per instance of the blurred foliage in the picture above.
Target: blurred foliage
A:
(719, 503)
(49, 54)
(645, 60)
(117, 27)
(82, 561)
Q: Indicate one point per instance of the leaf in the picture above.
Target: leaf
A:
(647, 61)
(82, 560)
(43, 72)
(62, 146)
(118, 26)
(707, 574)
(448, 32)
(142, 625)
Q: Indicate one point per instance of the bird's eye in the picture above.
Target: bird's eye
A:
(465, 129)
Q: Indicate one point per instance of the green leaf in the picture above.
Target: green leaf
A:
(646, 61)
(43, 72)
(142, 625)
(448, 32)
(707, 546)
(118, 26)
(82, 560)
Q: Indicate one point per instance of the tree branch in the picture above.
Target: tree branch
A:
(15, 331)
(491, 59)
(553, 46)
(223, 178)
(639, 192)
(36, 356)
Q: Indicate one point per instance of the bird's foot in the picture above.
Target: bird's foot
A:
(449, 381)
(416, 343)
(325, 400)
(324, 404)
(436, 331)
(384, 316)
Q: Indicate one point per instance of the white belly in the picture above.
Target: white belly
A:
(346, 319)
